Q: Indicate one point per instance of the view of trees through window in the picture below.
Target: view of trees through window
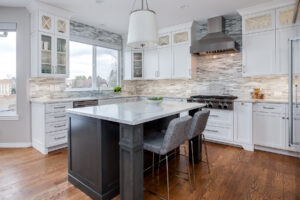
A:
(8, 89)
(82, 73)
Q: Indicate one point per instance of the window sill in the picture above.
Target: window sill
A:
(9, 117)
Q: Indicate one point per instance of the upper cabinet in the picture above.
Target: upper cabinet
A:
(171, 59)
(284, 17)
(258, 22)
(265, 39)
(50, 30)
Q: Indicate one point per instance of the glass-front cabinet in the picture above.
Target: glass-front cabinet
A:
(50, 45)
(137, 64)
(61, 58)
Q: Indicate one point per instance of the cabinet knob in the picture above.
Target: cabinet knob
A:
(283, 117)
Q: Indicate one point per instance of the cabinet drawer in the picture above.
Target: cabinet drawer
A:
(220, 117)
(269, 108)
(56, 126)
(56, 117)
(223, 133)
(57, 107)
(56, 138)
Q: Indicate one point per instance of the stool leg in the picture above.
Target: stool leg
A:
(193, 163)
(152, 164)
(167, 167)
(158, 165)
(187, 165)
(206, 155)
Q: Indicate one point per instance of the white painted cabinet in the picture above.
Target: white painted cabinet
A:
(165, 63)
(282, 50)
(49, 45)
(259, 53)
(150, 64)
(127, 69)
(243, 124)
(181, 61)
(284, 17)
(259, 22)
(269, 125)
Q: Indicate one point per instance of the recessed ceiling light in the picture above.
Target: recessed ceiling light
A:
(184, 6)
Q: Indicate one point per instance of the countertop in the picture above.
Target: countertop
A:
(281, 101)
(134, 113)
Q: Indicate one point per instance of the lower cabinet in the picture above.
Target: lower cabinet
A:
(243, 124)
(49, 126)
(269, 125)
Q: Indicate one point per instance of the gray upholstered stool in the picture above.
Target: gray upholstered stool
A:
(197, 127)
(163, 143)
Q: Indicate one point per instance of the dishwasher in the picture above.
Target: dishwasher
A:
(85, 103)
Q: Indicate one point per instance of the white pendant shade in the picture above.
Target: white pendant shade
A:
(142, 31)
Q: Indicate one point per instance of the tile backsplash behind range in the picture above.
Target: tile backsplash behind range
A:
(213, 76)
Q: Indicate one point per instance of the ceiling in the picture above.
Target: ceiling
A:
(113, 14)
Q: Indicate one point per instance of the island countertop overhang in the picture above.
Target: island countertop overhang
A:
(134, 113)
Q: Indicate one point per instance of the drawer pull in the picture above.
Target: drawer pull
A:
(214, 131)
(59, 126)
(59, 107)
(62, 116)
(269, 108)
(59, 138)
(214, 115)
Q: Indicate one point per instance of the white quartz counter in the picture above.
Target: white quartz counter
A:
(280, 101)
(134, 113)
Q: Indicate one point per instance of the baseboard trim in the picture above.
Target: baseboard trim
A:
(277, 151)
(16, 145)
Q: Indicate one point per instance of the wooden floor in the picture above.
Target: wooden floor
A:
(235, 174)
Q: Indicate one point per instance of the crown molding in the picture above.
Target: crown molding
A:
(265, 6)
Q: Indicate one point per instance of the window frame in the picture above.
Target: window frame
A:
(94, 70)
(11, 115)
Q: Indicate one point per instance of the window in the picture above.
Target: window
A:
(107, 67)
(81, 66)
(8, 90)
(92, 67)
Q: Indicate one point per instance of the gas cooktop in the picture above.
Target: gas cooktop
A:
(215, 101)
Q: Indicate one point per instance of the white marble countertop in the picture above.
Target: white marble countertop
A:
(134, 113)
(281, 101)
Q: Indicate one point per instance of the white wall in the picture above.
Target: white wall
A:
(17, 133)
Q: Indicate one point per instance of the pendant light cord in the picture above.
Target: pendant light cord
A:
(132, 9)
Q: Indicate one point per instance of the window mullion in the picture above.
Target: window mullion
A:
(94, 78)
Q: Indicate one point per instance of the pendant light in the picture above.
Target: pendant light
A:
(142, 31)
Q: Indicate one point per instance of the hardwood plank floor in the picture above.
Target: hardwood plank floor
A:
(235, 174)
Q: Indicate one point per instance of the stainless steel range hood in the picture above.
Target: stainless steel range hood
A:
(215, 41)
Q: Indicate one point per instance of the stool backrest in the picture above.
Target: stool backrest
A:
(198, 123)
(176, 134)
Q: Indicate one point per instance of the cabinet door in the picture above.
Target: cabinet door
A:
(181, 37)
(258, 22)
(61, 57)
(150, 64)
(46, 22)
(243, 122)
(46, 54)
(284, 17)
(165, 63)
(259, 53)
(181, 61)
(137, 64)
(269, 130)
(127, 65)
(164, 40)
(62, 26)
(282, 49)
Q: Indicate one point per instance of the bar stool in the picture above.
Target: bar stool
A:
(198, 125)
(163, 143)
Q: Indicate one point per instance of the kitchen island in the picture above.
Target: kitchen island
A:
(106, 155)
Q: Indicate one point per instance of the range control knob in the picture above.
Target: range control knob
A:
(210, 104)
(220, 106)
(225, 106)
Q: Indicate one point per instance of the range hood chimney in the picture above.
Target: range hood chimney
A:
(216, 41)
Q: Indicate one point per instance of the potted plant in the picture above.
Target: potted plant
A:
(117, 89)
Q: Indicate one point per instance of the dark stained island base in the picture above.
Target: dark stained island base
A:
(106, 155)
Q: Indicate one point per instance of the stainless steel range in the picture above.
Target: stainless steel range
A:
(214, 101)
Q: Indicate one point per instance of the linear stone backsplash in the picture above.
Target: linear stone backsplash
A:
(55, 87)
(213, 76)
